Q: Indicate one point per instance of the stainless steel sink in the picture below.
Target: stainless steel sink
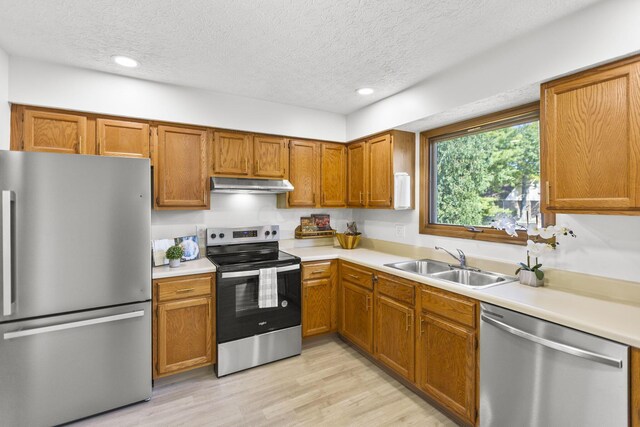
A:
(422, 267)
(473, 279)
(470, 277)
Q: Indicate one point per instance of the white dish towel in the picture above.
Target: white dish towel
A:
(268, 288)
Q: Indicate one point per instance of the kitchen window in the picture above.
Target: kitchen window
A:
(474, 170)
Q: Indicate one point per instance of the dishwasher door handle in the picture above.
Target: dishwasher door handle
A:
(585, 354)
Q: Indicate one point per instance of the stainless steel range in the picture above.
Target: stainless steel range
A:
(248, 335)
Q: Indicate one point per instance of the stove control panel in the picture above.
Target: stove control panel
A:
(230, 236)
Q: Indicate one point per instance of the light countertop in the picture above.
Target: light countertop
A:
(197, 266)
(609, 319)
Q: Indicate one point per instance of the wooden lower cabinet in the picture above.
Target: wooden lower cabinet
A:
(635, 387)
(447, 355)
(183, 324)
(319, 293)
(356, 315)
(394, 335)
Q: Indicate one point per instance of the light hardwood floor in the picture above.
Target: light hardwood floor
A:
(330, 384)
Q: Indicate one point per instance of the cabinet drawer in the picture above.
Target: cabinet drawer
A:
(398, 289)
(450, 306)
(184, 287)
(316, 270)
(359, 276)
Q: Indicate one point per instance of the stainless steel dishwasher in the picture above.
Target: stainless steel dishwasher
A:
(538, 373)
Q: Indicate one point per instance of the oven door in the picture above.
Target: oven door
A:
(238, 315)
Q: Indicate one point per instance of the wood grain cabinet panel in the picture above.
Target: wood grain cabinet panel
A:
(356, 315)
(270, 156)
(333, 172)
(394, 335)
(53, 132)
(183, 324)
(591, 140)
(181, 177)
(121, 138)
(447, 364)
(232, 153)
(316, 308)
(356, 175)
(635, 387)
(303, 173)
(380, 173)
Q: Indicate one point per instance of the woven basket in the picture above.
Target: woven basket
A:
(348, 242)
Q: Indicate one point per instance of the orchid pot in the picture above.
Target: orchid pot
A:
(529, 278)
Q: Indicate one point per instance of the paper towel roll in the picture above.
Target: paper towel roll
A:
(402, 191)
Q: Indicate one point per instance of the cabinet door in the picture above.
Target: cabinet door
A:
(357, 315)
(184, 334)
(270, 156)
(356, 175)
(394, 336)
(380, 172)
(232, 153)
(591, 137)
(316, 307)
(181, 175)
(120, 138)
(54, 132)
(303, 172)
(447, 364)
(333, 171)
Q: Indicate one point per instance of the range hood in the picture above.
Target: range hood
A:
(250, 185)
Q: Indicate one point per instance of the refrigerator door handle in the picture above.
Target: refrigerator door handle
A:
(7, 275)
(72, 325)
(579, 352)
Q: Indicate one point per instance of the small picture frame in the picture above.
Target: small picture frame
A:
(307, 224)
(322, 221)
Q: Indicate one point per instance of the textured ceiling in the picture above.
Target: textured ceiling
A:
(309, 53)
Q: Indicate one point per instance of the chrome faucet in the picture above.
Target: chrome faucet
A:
(462, 258)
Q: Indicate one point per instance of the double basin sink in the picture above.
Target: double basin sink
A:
(470, 277)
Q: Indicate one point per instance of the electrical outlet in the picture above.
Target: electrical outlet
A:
(400, 231)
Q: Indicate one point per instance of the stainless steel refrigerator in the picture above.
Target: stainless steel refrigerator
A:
(75, 286)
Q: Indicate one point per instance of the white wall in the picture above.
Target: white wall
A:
(45, 84)
(607, 245)
(242, 210)
(602, 32)
(5, 112)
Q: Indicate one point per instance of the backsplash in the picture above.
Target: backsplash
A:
(239, 210)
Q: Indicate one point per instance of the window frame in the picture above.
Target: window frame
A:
(483, 123)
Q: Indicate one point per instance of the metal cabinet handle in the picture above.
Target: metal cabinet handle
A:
(368, 302)
(547, 195)
(7, 238)
(237, 274)
(408, 322)
(361, 198)
(184, 291)
(317, 272)
(421, 323)
(353, 276)
(574, 351)
(72, 325)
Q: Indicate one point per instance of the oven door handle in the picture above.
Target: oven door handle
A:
(249, 273)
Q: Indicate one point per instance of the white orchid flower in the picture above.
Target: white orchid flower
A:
(505, 222)
(533, 230)
(548, 232)
(537, 249)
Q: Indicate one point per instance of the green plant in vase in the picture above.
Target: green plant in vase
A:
(174, 254)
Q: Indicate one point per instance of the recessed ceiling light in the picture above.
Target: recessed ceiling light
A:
(125, 61)
(365, 91)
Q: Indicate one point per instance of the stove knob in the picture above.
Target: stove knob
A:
(222, 235)
(274, 232)
(266, 233)
(213, 235)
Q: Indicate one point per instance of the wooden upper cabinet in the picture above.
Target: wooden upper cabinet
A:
(232, 153)
(54, 132)
(303, 174)
(333, 172)
(181, 174)
(380, 173)
(122, 138)
(356, 175)
(591, 140)
(270, 156)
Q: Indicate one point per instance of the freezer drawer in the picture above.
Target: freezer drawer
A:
(540, 374)
(61, 368)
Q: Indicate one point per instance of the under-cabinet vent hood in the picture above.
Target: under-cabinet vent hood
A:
(250, 185)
